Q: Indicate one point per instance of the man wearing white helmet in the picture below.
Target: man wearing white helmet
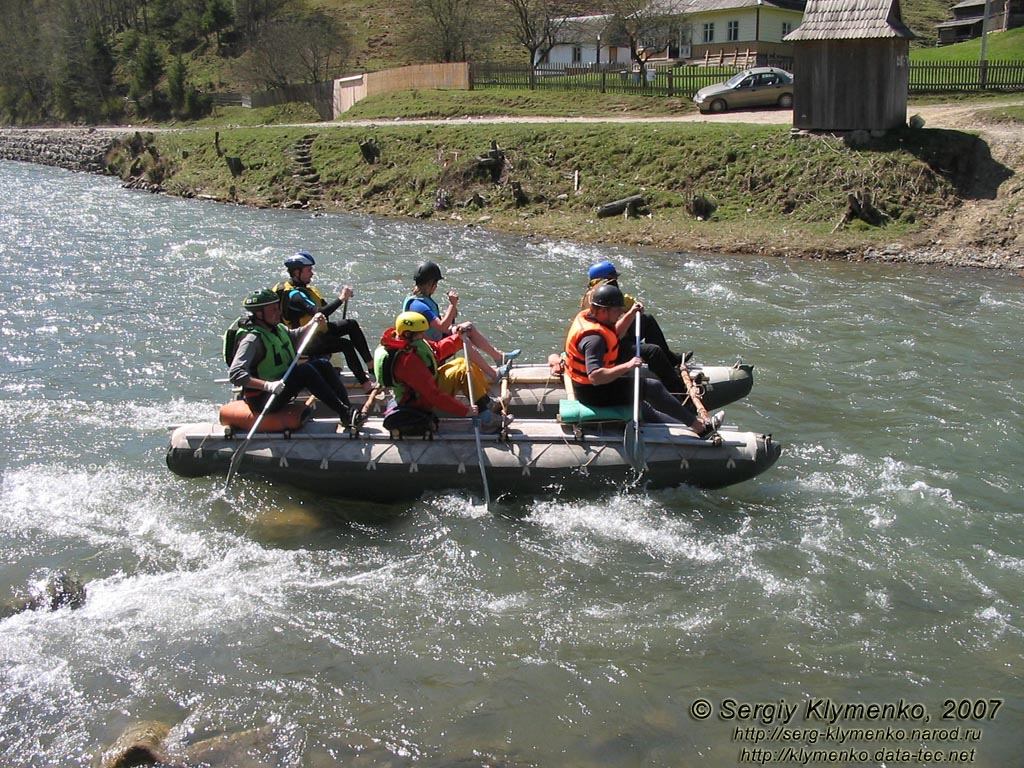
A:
(300, 301)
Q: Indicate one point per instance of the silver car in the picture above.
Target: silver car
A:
(756, 87)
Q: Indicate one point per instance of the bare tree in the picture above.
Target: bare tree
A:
(451, 29)
(310, 48)
(535, 25)
(648, 26)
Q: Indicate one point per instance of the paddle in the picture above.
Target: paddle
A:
(236, 459)
(476, 423)
(636, 449)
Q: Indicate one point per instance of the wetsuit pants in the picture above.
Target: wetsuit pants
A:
(657, 406)
(333, 339)
(320, 378)
(651, 333)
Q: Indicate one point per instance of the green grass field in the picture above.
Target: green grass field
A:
(1001, 46)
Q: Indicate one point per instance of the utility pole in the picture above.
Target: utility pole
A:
(983, 73)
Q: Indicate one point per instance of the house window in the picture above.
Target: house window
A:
(734, 31)
(787, 27)
(709, 31)
(577, 54)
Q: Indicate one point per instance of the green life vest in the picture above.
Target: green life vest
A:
(279, 351)
(384, 363)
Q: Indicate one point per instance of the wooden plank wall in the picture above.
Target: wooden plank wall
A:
(846, 85)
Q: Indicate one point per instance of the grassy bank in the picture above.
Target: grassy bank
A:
(706, 186)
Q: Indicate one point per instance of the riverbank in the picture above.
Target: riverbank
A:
(942, 195)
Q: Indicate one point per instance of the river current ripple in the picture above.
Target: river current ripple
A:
(878, 562)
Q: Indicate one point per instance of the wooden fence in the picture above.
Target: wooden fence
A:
(967, 76)
(606, 78)
(684, 81)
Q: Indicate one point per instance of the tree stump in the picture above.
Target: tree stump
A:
(370, 151)
(860, 207)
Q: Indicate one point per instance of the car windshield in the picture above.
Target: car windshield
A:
(736, 79)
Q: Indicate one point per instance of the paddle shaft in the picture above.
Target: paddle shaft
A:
(236, 459)
(476, 422)
(636, 384)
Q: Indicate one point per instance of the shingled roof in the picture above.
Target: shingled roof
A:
(851, 20)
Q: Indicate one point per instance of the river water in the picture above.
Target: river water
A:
(879, 562)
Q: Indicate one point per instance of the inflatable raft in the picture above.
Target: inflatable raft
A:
(533, 392)
(535, 456)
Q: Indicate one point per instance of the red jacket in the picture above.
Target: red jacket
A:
(420, 381)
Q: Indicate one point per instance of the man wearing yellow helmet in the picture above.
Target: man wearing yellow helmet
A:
(407, 362)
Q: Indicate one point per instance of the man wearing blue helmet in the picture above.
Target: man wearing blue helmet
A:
(300, 301)
(655, 351)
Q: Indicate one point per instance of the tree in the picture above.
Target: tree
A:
(648, 27)
(177, 84)
(450, 29)
(535, 26)
(24, 77)
(146, 67)
(216, 17)
(307, 47)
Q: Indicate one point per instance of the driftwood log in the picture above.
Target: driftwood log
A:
(629, 206)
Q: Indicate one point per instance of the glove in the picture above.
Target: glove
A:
(274, 387)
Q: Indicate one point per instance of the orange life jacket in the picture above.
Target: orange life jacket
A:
(576, 362)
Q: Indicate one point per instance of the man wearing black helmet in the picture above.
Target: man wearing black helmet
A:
(605, 273)
(266, 347)
(600, 379)
(301, 301)
(654, 349)
(426, 280)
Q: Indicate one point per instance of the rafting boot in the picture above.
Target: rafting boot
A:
(506, 363)
(710, 430)
(492, 423)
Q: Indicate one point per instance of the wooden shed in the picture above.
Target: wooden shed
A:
(851, 66)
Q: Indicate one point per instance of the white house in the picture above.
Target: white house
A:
(700, 30)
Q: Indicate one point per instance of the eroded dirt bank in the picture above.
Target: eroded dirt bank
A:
(983, 229)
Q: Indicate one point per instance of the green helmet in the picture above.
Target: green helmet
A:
(257, 299)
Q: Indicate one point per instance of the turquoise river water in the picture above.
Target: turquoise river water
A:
(858, 604)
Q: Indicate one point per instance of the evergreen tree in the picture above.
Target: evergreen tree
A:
(216, 18)
(147, 67)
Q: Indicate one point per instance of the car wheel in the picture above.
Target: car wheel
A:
(786, 101)
(718, 105)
